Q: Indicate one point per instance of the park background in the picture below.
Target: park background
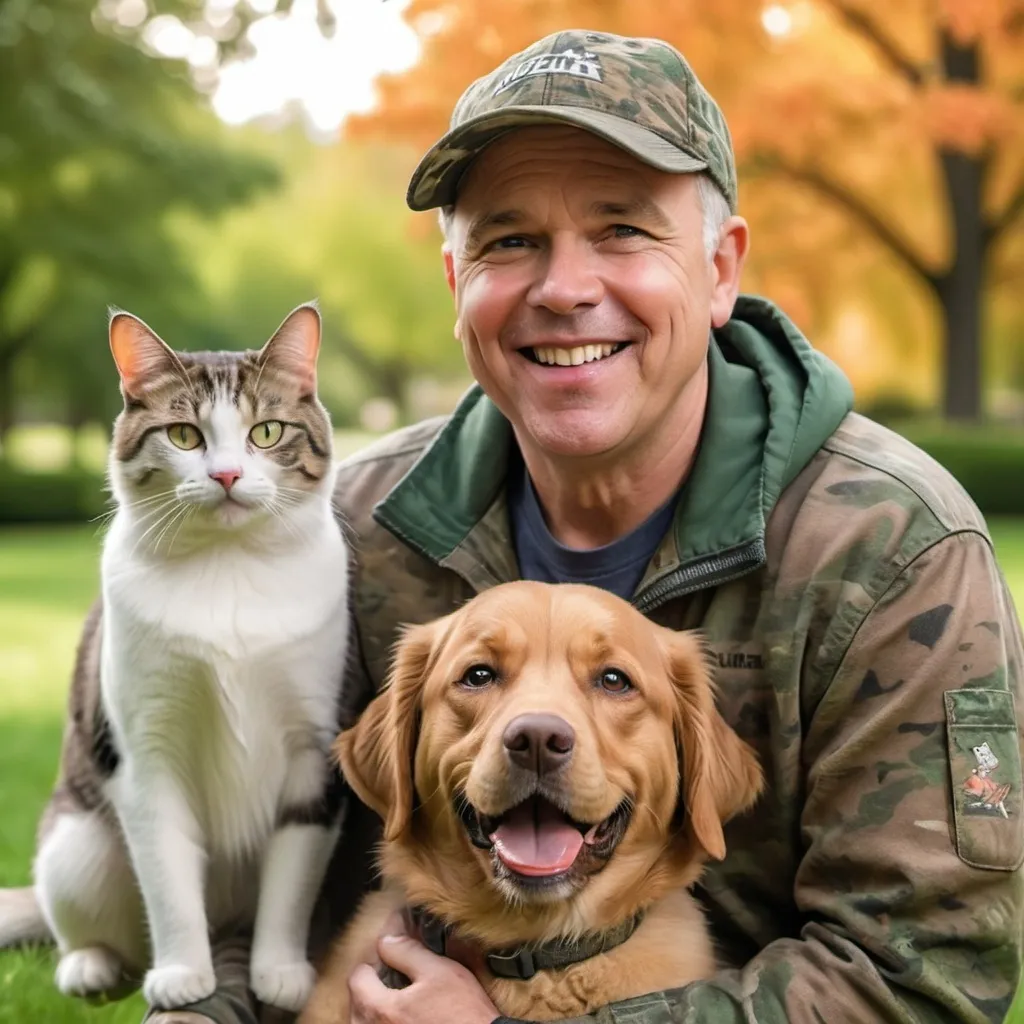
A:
(209, 165)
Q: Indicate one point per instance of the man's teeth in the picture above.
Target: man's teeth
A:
(572, 356)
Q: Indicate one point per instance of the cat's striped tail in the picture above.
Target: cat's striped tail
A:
(21, 920)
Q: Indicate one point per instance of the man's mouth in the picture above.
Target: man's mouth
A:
(535, 841)
(552, 355)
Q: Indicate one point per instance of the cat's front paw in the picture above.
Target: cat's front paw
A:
(87, 972)
(167, 988)
(286, 986)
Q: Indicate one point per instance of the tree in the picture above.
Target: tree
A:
(99, 143)
(906, 119)
(339, 231)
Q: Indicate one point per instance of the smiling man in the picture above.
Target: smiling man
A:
(640, 426)
(585, 290)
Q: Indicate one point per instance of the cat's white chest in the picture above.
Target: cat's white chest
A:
(224, 672)
(230, 603)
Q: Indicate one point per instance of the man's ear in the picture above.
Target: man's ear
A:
(376, 754)
(449, 268)
(727, 266)
(720, 774)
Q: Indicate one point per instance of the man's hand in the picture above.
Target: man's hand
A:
(442, 991)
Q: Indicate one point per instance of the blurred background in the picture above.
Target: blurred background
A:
(209, 165)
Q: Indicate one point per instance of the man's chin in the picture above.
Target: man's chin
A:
(571, 435)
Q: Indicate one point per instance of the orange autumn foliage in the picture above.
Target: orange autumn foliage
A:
(842, 115)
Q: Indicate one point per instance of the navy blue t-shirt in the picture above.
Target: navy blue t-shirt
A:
(617, 567)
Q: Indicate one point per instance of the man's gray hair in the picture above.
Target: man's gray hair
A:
(716, 213)
(712, 202)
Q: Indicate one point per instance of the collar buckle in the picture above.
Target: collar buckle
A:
(520, 964)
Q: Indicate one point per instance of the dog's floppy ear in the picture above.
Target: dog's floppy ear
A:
(376, 754)
(721, 776)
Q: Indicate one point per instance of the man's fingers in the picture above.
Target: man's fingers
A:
(408, 955)
(394, 924)
(364, 985)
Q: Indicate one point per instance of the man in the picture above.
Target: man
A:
(640, 426)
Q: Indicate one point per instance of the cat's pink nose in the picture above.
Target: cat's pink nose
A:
(226, 478)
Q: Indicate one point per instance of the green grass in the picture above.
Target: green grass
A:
(47, 580)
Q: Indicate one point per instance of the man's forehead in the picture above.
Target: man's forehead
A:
(625, 202)
(541, 162)
(547, 150)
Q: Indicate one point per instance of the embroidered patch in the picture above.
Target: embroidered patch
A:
(985, 795)
(578, 63)
(985, 773)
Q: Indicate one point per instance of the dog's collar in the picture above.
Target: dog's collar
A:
(522, 962)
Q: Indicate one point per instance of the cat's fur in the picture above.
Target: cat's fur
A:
(204, 700)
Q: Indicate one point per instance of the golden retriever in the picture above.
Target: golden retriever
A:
(549, 766)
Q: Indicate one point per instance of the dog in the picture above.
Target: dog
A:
(552, 773)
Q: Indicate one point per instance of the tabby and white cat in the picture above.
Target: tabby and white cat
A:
(196, 757)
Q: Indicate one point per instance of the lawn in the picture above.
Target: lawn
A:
(47, 580)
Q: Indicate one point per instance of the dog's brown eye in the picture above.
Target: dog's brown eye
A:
(614, 681)
(479, 675)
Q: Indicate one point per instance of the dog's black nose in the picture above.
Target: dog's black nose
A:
(539, 743)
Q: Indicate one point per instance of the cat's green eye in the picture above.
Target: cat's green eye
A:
(266, 434)
(184, 436)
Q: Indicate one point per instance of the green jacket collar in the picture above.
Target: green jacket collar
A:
(773, 401)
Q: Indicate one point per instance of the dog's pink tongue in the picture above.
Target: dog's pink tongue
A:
(536, 839)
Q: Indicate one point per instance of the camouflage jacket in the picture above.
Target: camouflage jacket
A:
(867, 647)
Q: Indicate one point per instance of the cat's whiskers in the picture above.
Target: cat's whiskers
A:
(140, 519)
(283, 500)
(111, 512)
(275, 507)
(294, 494)
(181, 515)
(175, 506)
(156, 510)
(301, 495)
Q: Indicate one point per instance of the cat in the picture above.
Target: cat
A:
(196, 787)
(987, 761)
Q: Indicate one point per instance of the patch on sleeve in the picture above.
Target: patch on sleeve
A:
(985, 772)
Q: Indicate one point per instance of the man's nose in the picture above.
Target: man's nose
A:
(569, 278)
(226, 477)
(539, 743)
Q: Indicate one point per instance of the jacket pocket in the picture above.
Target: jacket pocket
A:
(985, 772)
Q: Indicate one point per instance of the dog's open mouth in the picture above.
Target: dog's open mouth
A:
(535, 840)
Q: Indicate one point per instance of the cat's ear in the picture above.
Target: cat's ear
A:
(293, 349)
(144, 362)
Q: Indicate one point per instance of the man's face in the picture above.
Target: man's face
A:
(565, 249)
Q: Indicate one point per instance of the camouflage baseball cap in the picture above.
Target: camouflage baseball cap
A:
(639, 94)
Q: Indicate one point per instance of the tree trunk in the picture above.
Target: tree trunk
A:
(7, 359)
(960, 291)
(76, 420)
(961, 288)
(10, 349)
(390, 382)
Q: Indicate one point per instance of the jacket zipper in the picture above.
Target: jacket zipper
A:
(708, 572)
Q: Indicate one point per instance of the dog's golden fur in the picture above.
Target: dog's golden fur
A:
(429, 741)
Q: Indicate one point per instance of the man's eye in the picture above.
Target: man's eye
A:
(509, 242)
(627, 231)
